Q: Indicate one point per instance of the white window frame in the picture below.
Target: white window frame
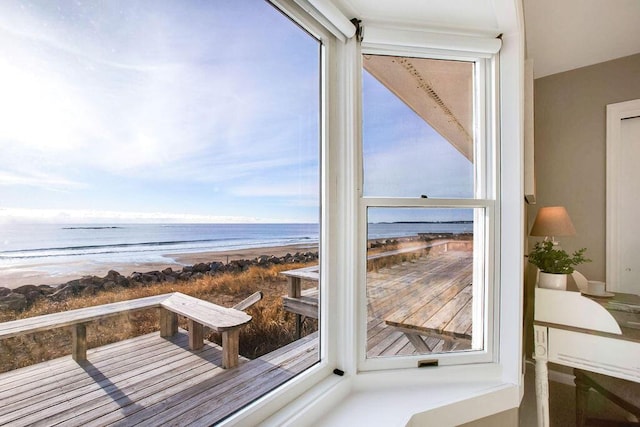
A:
(318, 390)
(329, 248)
(485, 228)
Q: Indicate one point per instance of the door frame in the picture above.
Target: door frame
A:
(615, 114)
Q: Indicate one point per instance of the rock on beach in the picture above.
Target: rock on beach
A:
(22, 297)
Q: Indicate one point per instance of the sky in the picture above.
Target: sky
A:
(417, 161)
(181, 111)
(405, 157)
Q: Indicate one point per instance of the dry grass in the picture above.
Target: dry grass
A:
(271, 327)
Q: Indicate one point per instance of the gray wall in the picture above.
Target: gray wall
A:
(570, 147)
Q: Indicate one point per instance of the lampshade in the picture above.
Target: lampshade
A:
(552, 221)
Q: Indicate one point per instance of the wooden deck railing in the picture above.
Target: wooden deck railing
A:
(199, 313)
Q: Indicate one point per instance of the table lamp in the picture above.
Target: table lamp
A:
(552, 221)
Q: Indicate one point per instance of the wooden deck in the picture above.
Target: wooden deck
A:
(401, 291)
(398, 292)
(148, 380)
(151, 380)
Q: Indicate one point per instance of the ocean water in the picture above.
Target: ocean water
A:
(24, 244)
(406, 229)
(57, 248)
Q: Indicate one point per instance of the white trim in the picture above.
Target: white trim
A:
(381, 38)
(343, 180)
(615, 113)
(311, 405)
(304, 15)
(389, 398)
(327, 14)
(346, 185)
(333, 14)
(486, 173)
(316, 390)
(510, 209)
(466, 380)
(332, 121)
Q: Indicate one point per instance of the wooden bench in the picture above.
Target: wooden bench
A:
(199, 313)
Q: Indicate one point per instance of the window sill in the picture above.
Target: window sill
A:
(445, 396)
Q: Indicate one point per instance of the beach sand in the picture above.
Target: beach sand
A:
(41, 274)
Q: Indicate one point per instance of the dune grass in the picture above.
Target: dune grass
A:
(270, 328)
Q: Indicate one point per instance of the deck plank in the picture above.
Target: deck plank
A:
(126, 384)
(61, 364)
(443, 320)
(250, 391)
(132, 395)
(94, 384)
(53, 364)
(55, 387)
(433, 296)
(189, 402)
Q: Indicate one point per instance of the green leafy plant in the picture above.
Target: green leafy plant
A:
(550, 259)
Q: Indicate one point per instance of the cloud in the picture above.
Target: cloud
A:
(163, 112)
(403, 155)
(304, 190)
(92, 216)
(412, 167)
(166, 100)
(40, 180)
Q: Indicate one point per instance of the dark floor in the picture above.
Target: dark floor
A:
(562, 404)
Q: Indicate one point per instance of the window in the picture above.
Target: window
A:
(371, 207)
(157, 147)
(427, 209)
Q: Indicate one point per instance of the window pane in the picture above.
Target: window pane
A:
(418, 127)
(421, 295)
(152, 147)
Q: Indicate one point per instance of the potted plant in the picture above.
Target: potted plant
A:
(555, 264)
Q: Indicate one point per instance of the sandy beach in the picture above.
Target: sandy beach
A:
(41, 275)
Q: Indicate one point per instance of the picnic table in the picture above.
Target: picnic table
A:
(303, 303)
(434, 300)
(444, 314)
(428, 302)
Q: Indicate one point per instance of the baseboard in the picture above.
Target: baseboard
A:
(562, 378)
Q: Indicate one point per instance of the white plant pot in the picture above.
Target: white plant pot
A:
(553, 281)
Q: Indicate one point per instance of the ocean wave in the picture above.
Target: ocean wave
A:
(111, 245)
(177, 246)
(91, 228)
